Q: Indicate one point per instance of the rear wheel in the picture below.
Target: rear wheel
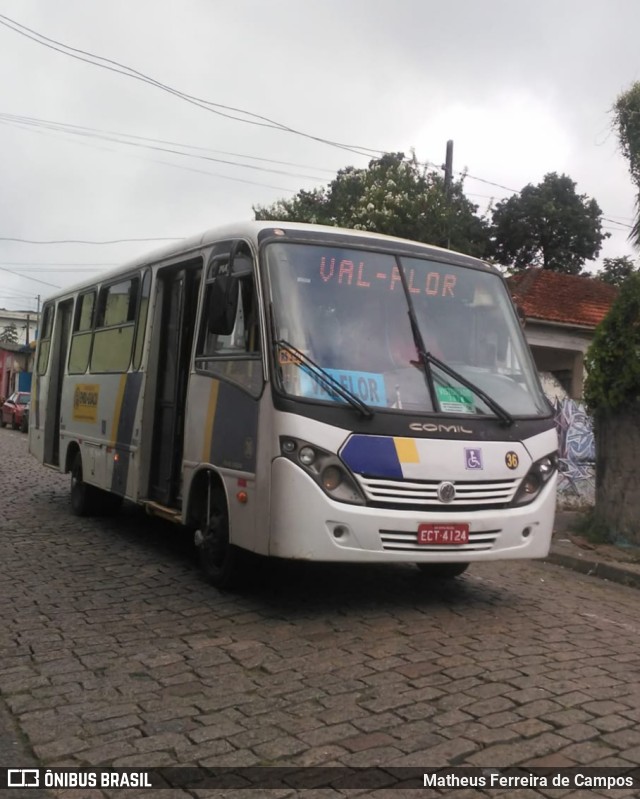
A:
(442, 571)
(85, 499)
(221, 561)
(14, 424)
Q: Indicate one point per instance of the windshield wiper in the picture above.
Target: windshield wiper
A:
(499, 411)
(324, 379)
(426, 359)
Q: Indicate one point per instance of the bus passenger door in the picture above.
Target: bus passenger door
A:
(177, 324)
(56, 381)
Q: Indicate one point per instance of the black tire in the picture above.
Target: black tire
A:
(442, 571)
(24, 424)
(14, 425)
(85, 499)
(221, 562)
(107, 504)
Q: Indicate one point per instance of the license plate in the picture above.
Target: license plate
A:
(443, 534)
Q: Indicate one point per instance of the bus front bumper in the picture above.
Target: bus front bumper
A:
(305, 524)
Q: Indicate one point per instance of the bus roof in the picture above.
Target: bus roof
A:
(252, 230)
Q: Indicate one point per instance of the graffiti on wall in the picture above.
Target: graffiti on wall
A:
(577, 452)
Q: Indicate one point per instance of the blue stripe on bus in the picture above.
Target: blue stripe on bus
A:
(124, 435)
(374, 456)
(235, 429)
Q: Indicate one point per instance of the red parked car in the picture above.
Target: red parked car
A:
(14, 408)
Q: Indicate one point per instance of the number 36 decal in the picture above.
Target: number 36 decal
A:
(511, 459)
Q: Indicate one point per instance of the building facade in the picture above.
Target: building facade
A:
(561, 313)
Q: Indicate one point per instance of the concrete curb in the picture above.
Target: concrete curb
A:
(595, 568)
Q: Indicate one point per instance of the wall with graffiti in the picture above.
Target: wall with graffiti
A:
(577, 481)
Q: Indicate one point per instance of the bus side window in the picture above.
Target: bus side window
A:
(244, 339)
(82, 333)
(235, 355)
(114, 327)
(45, 339)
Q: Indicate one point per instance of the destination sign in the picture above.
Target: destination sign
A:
(347, 272)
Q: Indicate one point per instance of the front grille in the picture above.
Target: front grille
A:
(401, 541)
(423, 494)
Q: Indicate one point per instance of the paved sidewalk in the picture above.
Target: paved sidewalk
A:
(572, 551)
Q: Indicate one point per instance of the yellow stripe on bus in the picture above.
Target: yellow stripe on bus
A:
(406, 450)
(118, 410)
(209, 421)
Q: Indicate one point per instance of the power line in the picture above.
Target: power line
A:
(207, 105)
(209, 173)
(28, 277)
(120, 138)
(111, 135)
(56, 263)
(87, 241)
(72, 269)
(519, 191)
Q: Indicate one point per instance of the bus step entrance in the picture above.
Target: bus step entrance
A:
(156, 509)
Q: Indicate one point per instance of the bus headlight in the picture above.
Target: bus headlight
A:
(331, 478)
(328, 471)
(307, 456)
(536, 477)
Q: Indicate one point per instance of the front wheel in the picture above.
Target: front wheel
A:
(221, 561)
(442, 571)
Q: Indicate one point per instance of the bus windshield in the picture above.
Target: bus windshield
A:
(348, 310)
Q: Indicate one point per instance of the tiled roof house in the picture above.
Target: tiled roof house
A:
(561, 313)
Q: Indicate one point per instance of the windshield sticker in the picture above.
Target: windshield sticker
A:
(285, 358)
(366, 386)
(455, 400)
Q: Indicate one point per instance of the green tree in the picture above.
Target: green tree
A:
(616, 270)
(393, 195)
(612, 393)
(626, 113)
(9, 334)
(547, 225)
(613, 365)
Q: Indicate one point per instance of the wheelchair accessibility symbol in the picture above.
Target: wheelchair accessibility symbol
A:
(473, 458)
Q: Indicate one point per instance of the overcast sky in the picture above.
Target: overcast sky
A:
(522, 88)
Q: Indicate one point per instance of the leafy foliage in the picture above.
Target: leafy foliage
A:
(9, 334)
(616, 270)
(547, 225)
(395, 196)
(627, 124)
(613, 359)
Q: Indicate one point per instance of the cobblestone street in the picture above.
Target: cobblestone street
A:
(116, 652)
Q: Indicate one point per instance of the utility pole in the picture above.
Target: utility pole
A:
(448, 179)
(448, 167)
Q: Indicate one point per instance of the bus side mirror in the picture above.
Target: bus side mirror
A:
(223, 305)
